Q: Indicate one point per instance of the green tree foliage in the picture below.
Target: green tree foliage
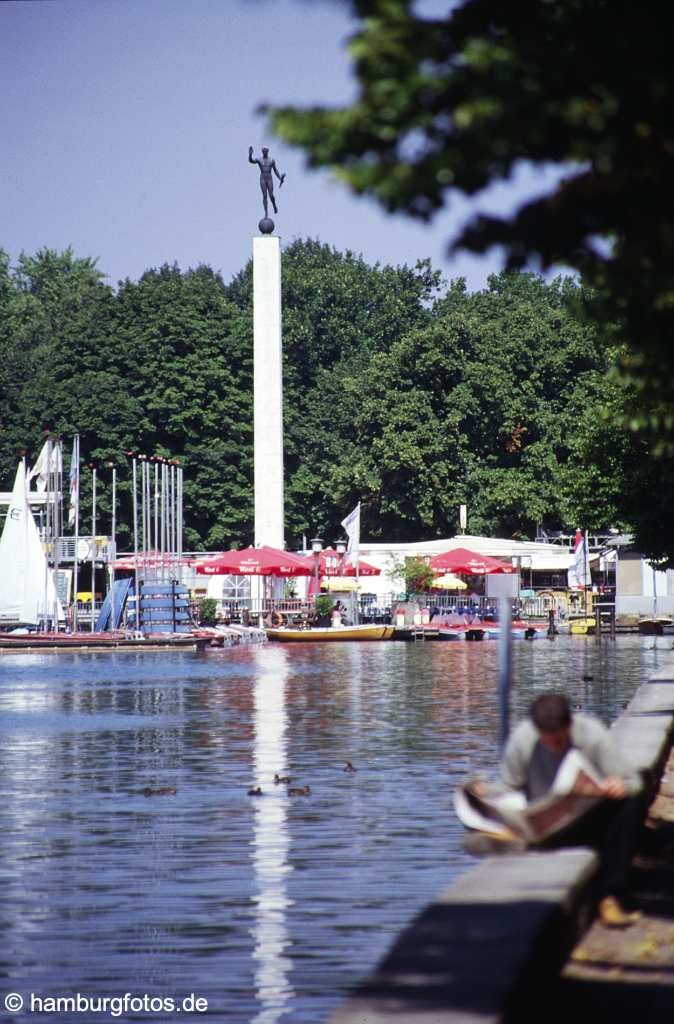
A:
(58, 357)
(414, 574)
(612, 475)
(472, 408)
(185, 356)
(162, 367)
(458, 103)
(401, 393)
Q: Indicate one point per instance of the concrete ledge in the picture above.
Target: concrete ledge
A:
(503, 927)
(645, 739)
(652, 698)
(663, 675)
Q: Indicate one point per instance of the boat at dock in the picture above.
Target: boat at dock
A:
(476, 630)
(584, 625)
(43, 643)
(656, 626)
(329, 634)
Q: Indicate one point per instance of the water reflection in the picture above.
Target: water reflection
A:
(271, 841)
(270, 907)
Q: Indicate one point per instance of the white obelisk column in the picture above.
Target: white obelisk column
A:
(268, 391)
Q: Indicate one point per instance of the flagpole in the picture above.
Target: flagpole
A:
(47, 533)
(143, 509)
(93, 546)
(164, 479)
(352, 527)
(173, 518)
(156, 505)
(136, 624)
(112, 550)
(587, 579)
(76, 464)
(180, 520)
(58, 530)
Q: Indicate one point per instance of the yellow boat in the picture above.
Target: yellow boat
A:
(289, 635)
(583, 626)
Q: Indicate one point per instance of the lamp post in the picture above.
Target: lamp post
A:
(316, 547)
(340, 548)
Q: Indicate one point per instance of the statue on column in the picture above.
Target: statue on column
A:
(267, 169)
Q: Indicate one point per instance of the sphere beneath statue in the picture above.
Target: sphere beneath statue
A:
(266, 226)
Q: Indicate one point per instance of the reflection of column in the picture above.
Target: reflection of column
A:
(270, 838)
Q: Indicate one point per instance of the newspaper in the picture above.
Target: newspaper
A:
(575, 790)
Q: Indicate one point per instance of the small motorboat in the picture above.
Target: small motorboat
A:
(450, 633)
(655, 626)
(329, 634)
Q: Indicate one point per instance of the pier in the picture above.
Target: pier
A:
(514, 939)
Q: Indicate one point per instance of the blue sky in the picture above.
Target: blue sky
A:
(125, 127)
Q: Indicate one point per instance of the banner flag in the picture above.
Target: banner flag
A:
(46, 465)
(579, 577)
(74, 481)
(352, 527)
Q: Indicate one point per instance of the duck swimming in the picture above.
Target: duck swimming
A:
(300, 791)
(255, 792)
(349, 767)
(164, 791)
(285, 779)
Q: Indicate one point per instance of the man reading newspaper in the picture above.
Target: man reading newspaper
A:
(535, 757)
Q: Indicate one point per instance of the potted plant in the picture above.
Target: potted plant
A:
(323, 610)
(208, 611)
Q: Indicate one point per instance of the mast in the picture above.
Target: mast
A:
(93, 546)
(75, 513)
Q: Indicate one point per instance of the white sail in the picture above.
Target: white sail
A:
(27, 590)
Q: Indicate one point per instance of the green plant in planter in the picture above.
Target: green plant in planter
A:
(208, 611)
(323, 606)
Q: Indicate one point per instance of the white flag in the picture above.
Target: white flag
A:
(579, 577)
(352, 526)
(46, 465)
(74, 481)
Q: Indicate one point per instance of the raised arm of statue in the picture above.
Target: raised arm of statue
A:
(251, 158)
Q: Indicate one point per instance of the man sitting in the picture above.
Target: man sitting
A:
(531, 759)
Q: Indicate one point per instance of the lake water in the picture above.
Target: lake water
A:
(268, 907)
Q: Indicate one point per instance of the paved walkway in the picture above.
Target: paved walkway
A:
(628, 975)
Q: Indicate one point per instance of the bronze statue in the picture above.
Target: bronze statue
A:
(267, 168)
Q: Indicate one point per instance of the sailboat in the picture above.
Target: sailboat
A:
(27, 589)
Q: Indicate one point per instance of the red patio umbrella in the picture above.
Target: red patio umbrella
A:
(468, 563)
(328, 565)
(262, 561)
